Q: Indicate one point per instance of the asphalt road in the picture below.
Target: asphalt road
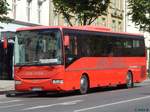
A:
(136, 99)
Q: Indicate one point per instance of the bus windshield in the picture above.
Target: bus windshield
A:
(38, 47)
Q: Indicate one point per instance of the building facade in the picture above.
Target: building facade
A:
(40, 12)
(27, 13)
(114, 18)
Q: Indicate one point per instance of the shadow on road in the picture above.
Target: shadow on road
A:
(62, 94)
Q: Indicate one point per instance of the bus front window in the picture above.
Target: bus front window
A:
(38, 47)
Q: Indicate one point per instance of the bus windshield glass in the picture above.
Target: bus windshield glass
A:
(38, 47)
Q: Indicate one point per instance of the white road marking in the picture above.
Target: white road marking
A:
(71, 102)
(11, 101)
(8, 106)
(110, 104)
(38, 107)
(45, 106)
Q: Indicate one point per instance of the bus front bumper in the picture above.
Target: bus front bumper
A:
(39, 85)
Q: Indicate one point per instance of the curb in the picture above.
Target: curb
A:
(147, 80)
(5, 92)
(2, 92)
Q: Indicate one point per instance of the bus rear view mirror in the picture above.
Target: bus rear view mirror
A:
(66, 41)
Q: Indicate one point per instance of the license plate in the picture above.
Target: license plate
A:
(36, 89)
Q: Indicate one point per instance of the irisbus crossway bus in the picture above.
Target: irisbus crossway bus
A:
(77, 58)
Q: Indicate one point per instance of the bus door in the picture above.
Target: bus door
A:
(6, 61)
(1, 58)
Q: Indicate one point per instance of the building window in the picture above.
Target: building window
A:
(119, 26)
(56, 19)
(114, 3)
(120, 4)
(40, 2)
(113, 25)
(103, 21)
(98, 21)
(39, 13)
(66, 22)
(28, 9)
(14, 5)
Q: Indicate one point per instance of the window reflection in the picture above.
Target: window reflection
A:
(39, 46)
(93, 44)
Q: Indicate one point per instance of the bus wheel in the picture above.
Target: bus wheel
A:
(129, 80)
(84, 85)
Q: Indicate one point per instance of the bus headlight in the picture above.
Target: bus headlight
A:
(17, 82)
(57, 81)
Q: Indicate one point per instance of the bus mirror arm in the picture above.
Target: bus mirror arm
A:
(5, 43)
(71, 58)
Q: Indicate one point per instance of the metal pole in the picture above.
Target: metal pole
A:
(149, 59)
(125, 1)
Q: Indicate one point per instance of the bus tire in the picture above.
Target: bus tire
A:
(84, 84)
(129, 80)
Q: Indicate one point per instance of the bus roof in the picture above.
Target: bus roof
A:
(84, 28)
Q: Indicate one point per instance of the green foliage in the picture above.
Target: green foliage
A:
(4, 11)
(84, 11)
(140, 13)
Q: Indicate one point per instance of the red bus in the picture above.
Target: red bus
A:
(77, 58)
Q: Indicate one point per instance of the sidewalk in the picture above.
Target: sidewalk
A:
(6, 85)
(147, 80)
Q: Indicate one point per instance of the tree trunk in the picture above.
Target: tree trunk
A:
(84, 20)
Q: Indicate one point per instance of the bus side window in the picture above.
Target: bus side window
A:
(109, 47)
(138, 47)
(71, 49)
(118, 47)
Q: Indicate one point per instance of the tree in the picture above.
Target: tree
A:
(84, 11)
(4, 11)
(140, 13)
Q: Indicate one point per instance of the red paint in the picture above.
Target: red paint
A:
(103, 29)
(102, 71)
